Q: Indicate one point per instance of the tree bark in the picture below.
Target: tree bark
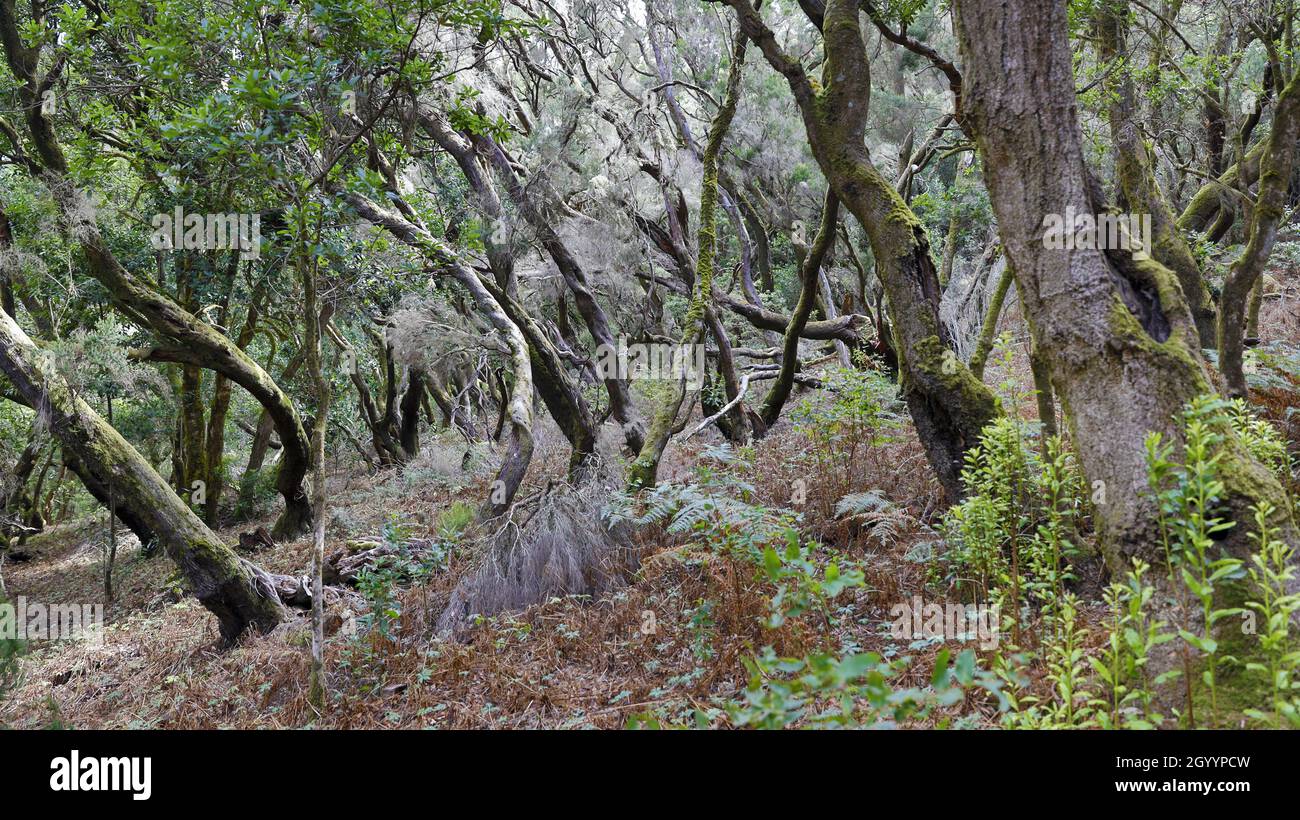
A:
(1116, 332)
(239, 594)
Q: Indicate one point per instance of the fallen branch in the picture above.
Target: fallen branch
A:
(740, 394)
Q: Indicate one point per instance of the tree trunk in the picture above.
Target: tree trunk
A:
(239, 594)
(540, 216)
(989, 330)
(808, 275)
(315, 317)
(1275, 169)
(1204, 209)
(1116, 332)
(1139, 193)
(409, 429)
(194, 341)
(519, 446)
(949, 406)
(644, 471)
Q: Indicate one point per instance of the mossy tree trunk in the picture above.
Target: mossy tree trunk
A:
(1275, 168)
(1211, 207)
(1116, 332)
(239, 594)
(809, 272)
(948, 405)
(644, 471)
(1136, 183)
(992, 315)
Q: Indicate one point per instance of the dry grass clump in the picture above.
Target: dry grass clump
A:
(553, 544)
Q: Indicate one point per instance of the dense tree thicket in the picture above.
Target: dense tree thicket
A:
(1036, 255)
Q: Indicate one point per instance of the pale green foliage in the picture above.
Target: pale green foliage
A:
(1122, 666)
(1190, 517)
(1272, 574)
(824, 691)
(1011, 539)
(1261, 439)
(1190, 499)
(863, 414)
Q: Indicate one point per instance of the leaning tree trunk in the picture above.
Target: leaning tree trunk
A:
(540, 218)
(195, 342)
(808, 276)
(1116, 331)
(1275, 168)
(948, 405)
(239, 594)
(519, 446)
(643, 472)
(562, 396)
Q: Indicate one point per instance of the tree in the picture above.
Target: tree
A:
(238, 593)
(1117, 333)
(1275, 174)
(949, 406)
(192, 341)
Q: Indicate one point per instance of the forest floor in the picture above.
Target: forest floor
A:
(571, 662)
